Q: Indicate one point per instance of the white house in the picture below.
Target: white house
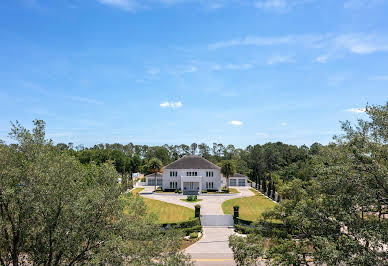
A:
(192, 174)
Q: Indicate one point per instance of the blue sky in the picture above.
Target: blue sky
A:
(180, 71)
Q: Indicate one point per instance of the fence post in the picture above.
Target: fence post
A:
(197, 211)
(235, 211)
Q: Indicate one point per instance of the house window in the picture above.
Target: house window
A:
(209, 185)
(173, 185)
(209, 174)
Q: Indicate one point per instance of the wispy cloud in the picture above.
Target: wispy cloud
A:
(280, 5)
(356, 43)
(235, 123)
(253, 40)
(322, 59)
(283, 124)
(279, 60)
(356, 110)
(173, 105)
(129, 5)
(358, 4)
(217, 67)
(362, 43)
(153, 71)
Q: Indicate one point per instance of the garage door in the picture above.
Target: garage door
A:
(232, 182)
(241, 182)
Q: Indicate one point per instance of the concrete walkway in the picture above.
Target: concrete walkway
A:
(210, 204)
(213, 247)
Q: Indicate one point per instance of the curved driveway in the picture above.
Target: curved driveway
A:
(210, 204)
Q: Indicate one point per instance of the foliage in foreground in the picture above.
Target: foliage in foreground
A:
(54, 211)
(334, 218)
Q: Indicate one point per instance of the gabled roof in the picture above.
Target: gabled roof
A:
(191, 162)
(153, 175)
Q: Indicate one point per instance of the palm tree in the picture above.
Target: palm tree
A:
(154, 166)
(228, 169)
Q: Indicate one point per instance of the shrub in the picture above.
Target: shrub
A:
(143, 179)
(204, 191)
(191, 198)
(193, 235)
(194, 229)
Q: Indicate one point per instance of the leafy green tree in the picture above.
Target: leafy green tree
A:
(56, 211)
(154, 166)
(228, 169)
(334, 218)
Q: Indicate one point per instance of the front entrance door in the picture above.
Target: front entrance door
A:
(190, 187)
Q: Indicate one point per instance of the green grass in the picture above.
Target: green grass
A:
(167, 212)
(233, 191)
(189, 201)
(251, 208)
(136, 190)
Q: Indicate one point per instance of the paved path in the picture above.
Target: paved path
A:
(210, 204)
(213, 247)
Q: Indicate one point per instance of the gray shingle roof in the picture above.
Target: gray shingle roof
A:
(191, 162)
(153, 175)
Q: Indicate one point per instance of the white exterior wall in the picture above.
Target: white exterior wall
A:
(216, 178)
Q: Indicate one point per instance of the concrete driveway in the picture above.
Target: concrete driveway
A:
(213, 247)
(210, 204)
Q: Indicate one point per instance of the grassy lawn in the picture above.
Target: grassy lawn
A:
(166, 212)
(136, 190)
(233, 191)
(251, 208)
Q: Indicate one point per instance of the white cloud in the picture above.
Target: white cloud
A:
(129, 5)
(279, 60)
(301, 40)
(235, 123)
(356, 110)
(362, 43)
(361, 4)
(356, 43)
(173, 105)
(322, 59)
(217, 67)
(153, 71)
(268, 4)
(283, 124)
(280, 5)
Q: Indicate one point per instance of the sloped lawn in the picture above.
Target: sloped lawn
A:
(166, 212)
(251, 208)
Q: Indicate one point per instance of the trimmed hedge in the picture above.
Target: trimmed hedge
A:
(243, 229)
(186, 224)
(194, 229)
